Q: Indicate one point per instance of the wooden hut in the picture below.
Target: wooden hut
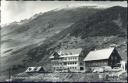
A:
(103, 57)
(35, 70)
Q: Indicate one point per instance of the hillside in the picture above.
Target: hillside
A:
(40, 27)
(98, 29)
(19, 38)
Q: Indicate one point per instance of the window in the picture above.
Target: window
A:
(29, 69)
(35, 69)
(111, 57)
(115, 58)
(81, 68)
(81, 63)
(73, 58)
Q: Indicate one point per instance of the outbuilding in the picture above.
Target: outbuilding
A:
(35, 70)
(102, 57)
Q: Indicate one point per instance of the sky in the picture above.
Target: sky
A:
(18, 10)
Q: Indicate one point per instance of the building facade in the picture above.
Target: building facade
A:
(67, 61)
(104, 57)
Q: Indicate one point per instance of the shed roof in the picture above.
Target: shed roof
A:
(99, 54)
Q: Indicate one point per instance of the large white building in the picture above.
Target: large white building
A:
(67, 61)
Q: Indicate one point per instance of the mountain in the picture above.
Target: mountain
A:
(40, 27)
(109, 22)
(32, 42)
(18, 38)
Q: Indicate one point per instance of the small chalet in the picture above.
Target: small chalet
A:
(35, 70)
(103, 57)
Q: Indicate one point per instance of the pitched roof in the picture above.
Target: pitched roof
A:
(71, 52)
(33, 69)
(51, 56)
(68, 53)
(30, 69)
(99, 54)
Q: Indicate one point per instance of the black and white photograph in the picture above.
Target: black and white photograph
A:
(63, 41)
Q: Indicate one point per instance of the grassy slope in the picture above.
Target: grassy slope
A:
(19, 39)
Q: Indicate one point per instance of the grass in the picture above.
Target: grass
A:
(68, 77)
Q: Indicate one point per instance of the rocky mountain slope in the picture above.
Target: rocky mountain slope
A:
(40, 27)
(32, 42)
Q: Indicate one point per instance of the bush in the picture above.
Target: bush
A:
(88, 70)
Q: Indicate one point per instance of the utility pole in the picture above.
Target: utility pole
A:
(9, 74)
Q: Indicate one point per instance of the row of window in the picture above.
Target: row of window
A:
(96, 64)
(72, 67)
(66, 54)
(64, 68)
(58, 67)
(57, 63)
(70, 58)
(71, 63)
(114, 58)
(67, 63)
